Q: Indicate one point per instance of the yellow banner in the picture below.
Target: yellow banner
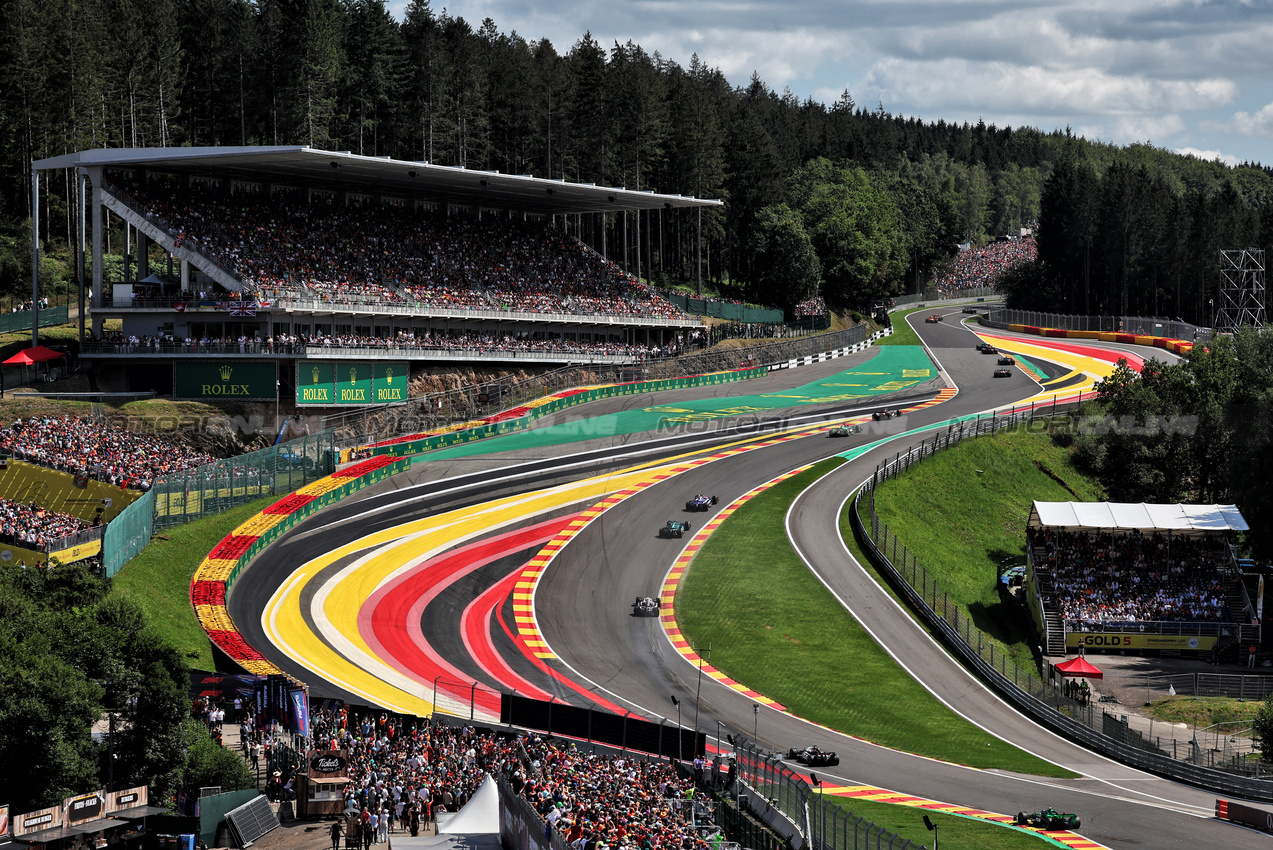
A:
(77, 553)
(1138, 640)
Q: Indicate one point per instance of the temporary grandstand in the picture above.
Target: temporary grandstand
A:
(1161, 579)
(260, 272)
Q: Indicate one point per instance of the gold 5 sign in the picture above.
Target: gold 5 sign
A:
(1137, 640)
(351, 383)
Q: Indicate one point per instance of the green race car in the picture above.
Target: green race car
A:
(674, 528)
(1049, 819)
(844, 431)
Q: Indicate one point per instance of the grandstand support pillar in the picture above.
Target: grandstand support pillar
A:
(35, 257)
(698, 251)
(143, 256)
(185, 275)
(79, 253)
(95, 212)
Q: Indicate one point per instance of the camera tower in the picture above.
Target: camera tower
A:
(1241, 290)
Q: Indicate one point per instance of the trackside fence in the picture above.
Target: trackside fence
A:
(1140, 325)
(824, 821)
(1217, 769)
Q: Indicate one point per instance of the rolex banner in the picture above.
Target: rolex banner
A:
(346, 382)
(241, 380)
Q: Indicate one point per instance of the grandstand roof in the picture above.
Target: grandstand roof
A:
(345, 171)
(1185, 519)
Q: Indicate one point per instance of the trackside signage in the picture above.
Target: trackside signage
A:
(351, 382)
(240, 380)
(1138, 640)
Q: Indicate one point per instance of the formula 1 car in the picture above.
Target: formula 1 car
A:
(987, 348)
(674, 528)
(813, 757)
(844, 430)
(700, 503)
(1049, 818)
(970, 309)
(1003, 373)
(934, 319)
(645, 606)
(1007, 360)
(891, 413)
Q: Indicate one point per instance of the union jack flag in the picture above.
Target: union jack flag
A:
(242, 308)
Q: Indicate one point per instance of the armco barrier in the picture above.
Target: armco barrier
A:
(520, 418)
(1024, 688)
(1176, 346)
(218, 572)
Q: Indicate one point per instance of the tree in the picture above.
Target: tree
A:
(787, 268)
(208, 763)
(1262, 727)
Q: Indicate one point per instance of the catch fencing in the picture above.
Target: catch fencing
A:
(1221, 769)
(438, 410)
(934, 295)
(1139, 325)
(729, 310)
(213, 488)
(826, 822)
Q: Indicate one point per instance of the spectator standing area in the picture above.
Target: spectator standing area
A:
(287, 261)
(1153, 579)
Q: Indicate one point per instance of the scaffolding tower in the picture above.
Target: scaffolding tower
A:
(1241, 289)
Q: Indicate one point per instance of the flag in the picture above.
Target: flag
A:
(180, 308)
(242, 308)
(1171, 690)
(263, 303)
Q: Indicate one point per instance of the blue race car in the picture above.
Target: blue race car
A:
(700, 503)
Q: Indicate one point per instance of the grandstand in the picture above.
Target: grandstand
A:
(1162, 579)
(285, 273)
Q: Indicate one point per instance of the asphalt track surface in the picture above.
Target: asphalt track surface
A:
(583, 603)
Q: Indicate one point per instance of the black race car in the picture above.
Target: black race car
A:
(813, 757)
(1049, 819)
(891, 413)
(844, 431)
(1003, 373)
(970, 309)
(700, 503)
(987, 348)
(645, 606)
(1007, 360)
(674, 528)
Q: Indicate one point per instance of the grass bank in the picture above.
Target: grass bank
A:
(963, 511)
(903, 333)
(159, 579)
(773, 626)
(957, 833)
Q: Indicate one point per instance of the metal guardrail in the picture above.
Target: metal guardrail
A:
(1044, 701)
(257, 347)
(1140, 325)
(826, 822)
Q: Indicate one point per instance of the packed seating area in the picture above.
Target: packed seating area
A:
(33, 527)
(286, 245)
(1134, 579)
(72, 444)
(981, 266)
(408, 770)
(815, 306)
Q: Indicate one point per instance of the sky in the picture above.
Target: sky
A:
(1194, 76)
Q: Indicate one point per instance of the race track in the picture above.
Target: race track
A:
(516, 569)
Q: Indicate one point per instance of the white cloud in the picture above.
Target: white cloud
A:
(1209, 156)
(1253, 124)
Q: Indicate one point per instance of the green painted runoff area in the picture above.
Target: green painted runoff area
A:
(892, 369)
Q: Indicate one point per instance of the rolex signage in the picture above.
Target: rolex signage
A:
(351, 383)
(239, 380)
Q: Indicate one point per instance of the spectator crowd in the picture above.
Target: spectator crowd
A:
(33, 527)
(285, 245)
(404, 772)
(1134, 579)
(72, 444)
(981, 266)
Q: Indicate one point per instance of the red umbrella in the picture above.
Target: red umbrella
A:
(1079, 667)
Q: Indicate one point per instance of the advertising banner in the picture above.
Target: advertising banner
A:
(129, 798)
(84, 807)
(30, 822)
(353, 383)
(4, 821)
(1138, 640)
(241, 380)
(390, 381)
(315, 382)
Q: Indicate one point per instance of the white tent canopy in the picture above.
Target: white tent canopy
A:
(480, 815)
(1179, 519)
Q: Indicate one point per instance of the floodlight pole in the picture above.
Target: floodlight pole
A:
(679, 737)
